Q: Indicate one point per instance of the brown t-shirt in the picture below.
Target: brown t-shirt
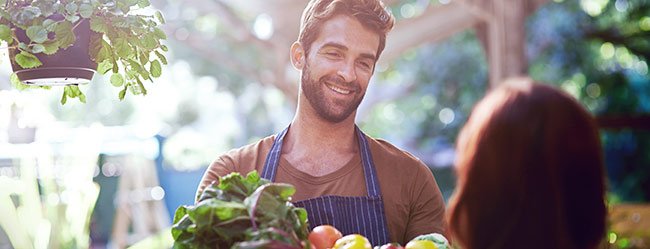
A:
(412, 200)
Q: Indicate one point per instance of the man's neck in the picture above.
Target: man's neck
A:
(312, 142)
(317, 135)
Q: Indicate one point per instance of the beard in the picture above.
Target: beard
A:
(332, 110)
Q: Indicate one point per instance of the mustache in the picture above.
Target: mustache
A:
(338, 80)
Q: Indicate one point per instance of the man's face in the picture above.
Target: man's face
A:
(338, 68)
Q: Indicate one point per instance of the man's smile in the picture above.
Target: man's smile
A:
(338, 89)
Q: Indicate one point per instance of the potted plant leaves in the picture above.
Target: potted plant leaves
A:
(64, 42)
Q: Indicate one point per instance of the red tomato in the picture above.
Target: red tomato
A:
(391, 246)
(324, 236)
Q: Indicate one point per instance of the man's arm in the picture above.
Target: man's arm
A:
(427, 211)
(220, 167)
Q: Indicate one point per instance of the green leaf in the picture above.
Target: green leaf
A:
(98, 25)
(144, 58)
(117, 80)
(133, 40)
(164, 48)
(27, 15)
(16, 83)
(122, 93)
(155, 69)
(225, 215)
(126, 3)
(69, 91)
(160, 18)
(71, 8)
(162, 58)
(222, 210)
(143, 3)
(5, 33)
(115, 66)
(130, 73)
(82, 97)
(140, 87)
(50, 48)
(47, 7)
(37, 33)
(72, 18)
(138, 68)
(269, 198)
(104, 66)
(72, 91)
(49, 25)
(64, 97)
(64, 34)
(160, 34)
(95, 49)
(85, 10)
(23, 46)
(149, 41)
(27, 60)
(38, 48)
(180, 212)
(122, 48)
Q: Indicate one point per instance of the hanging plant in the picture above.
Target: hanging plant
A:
(63, 42)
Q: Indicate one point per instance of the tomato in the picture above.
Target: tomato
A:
(324, 236)
(353, 241)
(421, 244)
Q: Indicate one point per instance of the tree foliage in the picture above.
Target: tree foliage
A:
(601, 58)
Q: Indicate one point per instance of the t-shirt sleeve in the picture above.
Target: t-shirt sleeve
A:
(427, 214)
(220, 167)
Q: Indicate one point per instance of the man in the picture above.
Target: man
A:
(342, 177)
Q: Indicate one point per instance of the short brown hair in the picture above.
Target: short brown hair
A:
(370, 13)
(530, 172)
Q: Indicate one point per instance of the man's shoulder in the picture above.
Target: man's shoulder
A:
(388, 152)
(248, 152)
(260, 144)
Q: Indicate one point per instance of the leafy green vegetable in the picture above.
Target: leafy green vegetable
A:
(242, 212)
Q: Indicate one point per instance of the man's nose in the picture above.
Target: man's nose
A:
(347, 71)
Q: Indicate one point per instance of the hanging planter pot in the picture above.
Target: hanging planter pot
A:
(64, 42)
(69, 66)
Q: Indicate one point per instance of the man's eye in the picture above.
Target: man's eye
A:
(365, 65)
(333, 54)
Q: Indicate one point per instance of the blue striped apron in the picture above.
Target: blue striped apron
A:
(350, 214)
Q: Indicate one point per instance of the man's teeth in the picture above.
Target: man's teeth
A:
(339, 90)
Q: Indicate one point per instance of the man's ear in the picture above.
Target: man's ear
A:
(297, 55)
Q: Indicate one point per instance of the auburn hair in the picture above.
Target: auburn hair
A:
(530, 172)
(370, 13)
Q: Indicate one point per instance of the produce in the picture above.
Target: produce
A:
(438, 239)
(421, 244)
(241, 212)
(352, 241)
(324, 236)
(390, 246)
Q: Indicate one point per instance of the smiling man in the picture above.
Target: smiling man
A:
(342, 177)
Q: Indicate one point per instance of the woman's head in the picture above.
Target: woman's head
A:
(530, 172)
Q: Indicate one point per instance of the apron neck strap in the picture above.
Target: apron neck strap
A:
(372, 183)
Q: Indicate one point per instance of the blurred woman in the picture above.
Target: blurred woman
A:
(530, 172)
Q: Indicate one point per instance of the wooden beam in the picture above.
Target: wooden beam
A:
(435, 24)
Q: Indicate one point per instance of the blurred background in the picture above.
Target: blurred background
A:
(110, 173)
